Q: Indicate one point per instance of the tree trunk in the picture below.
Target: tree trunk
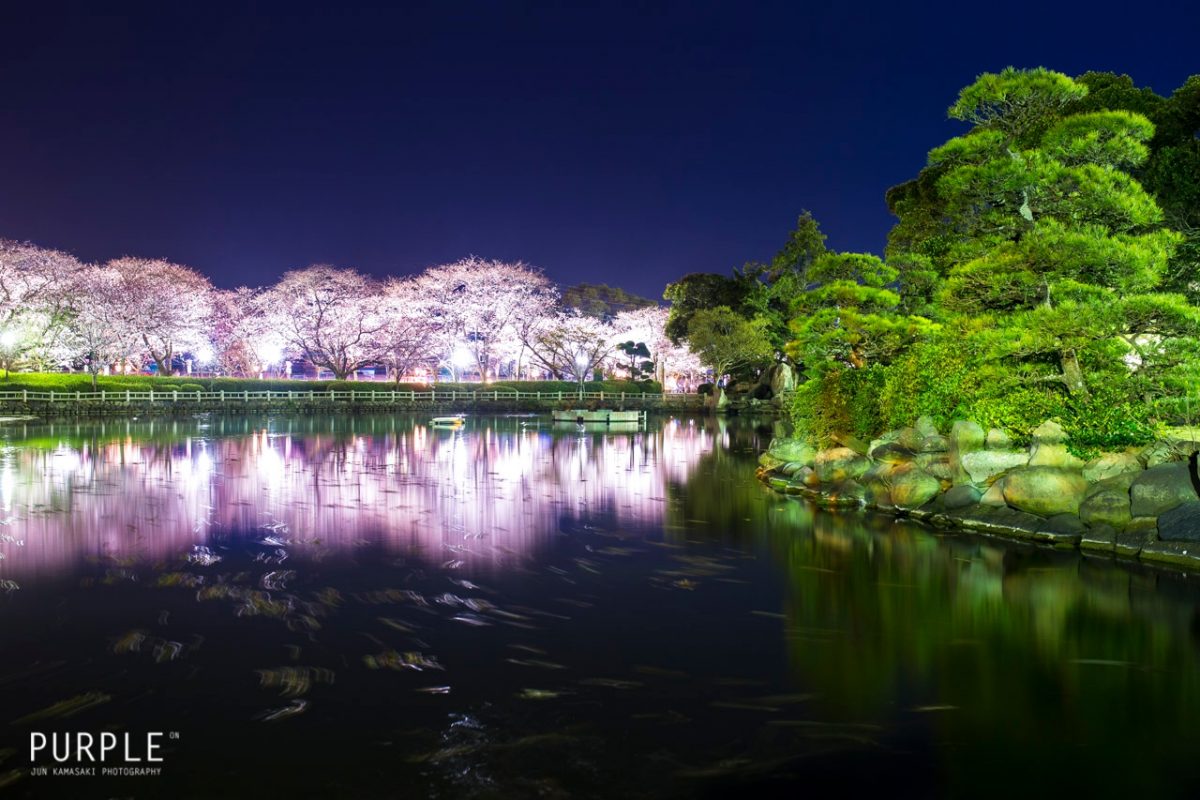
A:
(1073, 374)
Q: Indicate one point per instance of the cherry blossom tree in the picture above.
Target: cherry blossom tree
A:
(169, 304)
(482, 307)
(410, 329)
(33, 294)
(571, 345)
(100, 333)
(243, 339)
(649, 325)
(333, 317)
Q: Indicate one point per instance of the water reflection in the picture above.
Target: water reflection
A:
(490, 492)
(344, 607)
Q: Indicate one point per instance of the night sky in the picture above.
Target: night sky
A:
(618, 142)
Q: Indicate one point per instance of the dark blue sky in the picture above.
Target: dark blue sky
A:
(617, 142)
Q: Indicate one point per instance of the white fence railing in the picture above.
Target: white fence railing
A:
(398, 396)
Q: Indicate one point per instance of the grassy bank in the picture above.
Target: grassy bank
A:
(76, 382)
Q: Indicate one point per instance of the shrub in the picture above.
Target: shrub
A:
(840, 401)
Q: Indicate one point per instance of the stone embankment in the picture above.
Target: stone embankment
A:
(1138, 503)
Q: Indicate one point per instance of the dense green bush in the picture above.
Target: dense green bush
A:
(839, 401)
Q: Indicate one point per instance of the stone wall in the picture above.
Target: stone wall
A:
(1139, 503)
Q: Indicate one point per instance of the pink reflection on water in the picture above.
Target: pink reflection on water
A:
(480, 496)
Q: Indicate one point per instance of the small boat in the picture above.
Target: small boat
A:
(455, 421)
(605, 417)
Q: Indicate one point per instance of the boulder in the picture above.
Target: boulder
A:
(855, 444)
(1179, 554)
(1159, 453)
(782, 378)
(838, 464)
(788, 449)
(1106, 507)
(846, 493)
(908, 437)
(1160, 488)
(1049, 454)
(1064, 524)
(1109, 465)
(961, 496)
(892, 453)
(925, 427)
(1099, 538)
(1044, 490)
(807, 476)
(984, 464)
(997, 440)
(912, 487)
(939, 465)
(1136, 535)
(934, 444)
(1181, 523)
(994, 496)
(966, 436)
(1049, 432)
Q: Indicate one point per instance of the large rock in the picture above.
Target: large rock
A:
(792, 450)
(966, 436)
(1053, 454)
(1049, 432)
(782, 379)
(838, 464)
(891, 452)
(1136, 535)
(939, 465)
(994, 496)
(925, 427)
(912, 487)
(997, 440)
(1045, 491)
(1106, 507)
(1100, 538)
(961, 496)
(1181, 523)
(908, 437)
(1160, 488)
(845, 493)
(983, 465)
(934, 444)
(1109, 465)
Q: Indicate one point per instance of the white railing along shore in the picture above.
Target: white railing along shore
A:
(397, 396)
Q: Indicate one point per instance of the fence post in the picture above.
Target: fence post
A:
(560, 397)
(151, 395)
(127, 397)
(51, 395)
(102, 395)
(77, 397)
(245, 395)
(452, 393)
(174, 395)
(24, 395)
(222, 395)
(412, 395)
(622, 398)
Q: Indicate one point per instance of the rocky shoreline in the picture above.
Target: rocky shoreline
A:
(1141, 503)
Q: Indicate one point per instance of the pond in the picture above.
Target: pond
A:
(372, 607)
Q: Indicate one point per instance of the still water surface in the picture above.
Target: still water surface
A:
(368, 607)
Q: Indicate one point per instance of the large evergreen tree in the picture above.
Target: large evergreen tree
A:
(1033, 219)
